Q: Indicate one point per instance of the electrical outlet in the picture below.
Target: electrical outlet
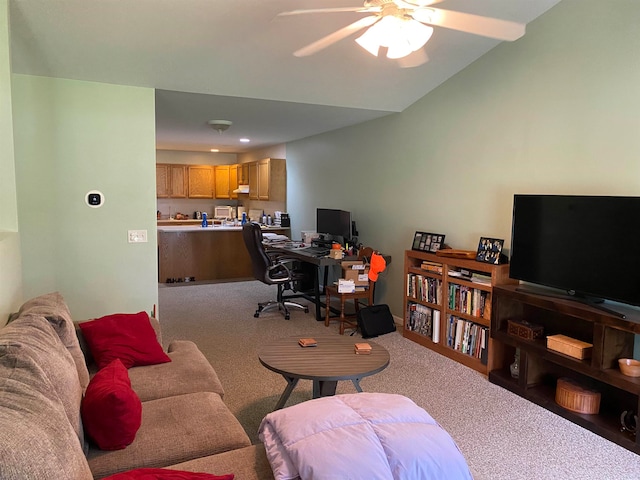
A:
(137, 236)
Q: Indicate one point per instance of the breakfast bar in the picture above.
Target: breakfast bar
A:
(194, 253)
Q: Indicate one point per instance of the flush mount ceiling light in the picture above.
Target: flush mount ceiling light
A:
(220, 125)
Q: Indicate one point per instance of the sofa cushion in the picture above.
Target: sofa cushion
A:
(33, 337)
(53, 307)
(164, 474)
(111, 410)
(174, 429)
(36, 438)
(247, 463)
(129, 337)
(188, 372)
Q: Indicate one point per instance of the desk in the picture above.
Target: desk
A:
(318, 262)
(332, 360)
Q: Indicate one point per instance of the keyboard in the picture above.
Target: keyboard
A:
(316, 251)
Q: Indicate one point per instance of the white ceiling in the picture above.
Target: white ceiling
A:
(232, 60)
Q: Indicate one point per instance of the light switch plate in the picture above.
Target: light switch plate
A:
(137, 236)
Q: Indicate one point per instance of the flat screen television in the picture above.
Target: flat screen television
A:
(586, 246)
(336, 223)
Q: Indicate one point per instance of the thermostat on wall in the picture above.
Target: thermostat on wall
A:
(94, 199)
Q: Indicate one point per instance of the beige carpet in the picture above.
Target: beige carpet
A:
(501, 435)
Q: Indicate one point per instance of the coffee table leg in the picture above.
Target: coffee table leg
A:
(324, 388)
(356, 383)
(291, 384)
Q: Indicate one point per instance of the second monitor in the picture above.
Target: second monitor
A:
(336, 223)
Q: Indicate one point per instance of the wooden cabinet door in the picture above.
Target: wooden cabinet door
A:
(243, 174)
(253, 180)
(263, 179)
(222, 181)
(163, 180)
(201, 181)
(233, 180)
(178, 181)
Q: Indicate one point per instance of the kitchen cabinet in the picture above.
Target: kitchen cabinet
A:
(243, 174)
(201, 181)
(268, 179)
(253, 180)
(171, 181)
(226, 181)
(222, 189)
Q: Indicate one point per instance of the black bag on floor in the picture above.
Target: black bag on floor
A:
(375, 320)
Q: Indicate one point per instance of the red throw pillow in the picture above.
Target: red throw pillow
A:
(166, 474)
(111, 410)
(127, 336)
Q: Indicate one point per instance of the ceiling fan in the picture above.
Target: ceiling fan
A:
(403, 27)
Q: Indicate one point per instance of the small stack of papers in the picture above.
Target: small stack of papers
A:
(307, 342)
(362, 348)
(346, 286)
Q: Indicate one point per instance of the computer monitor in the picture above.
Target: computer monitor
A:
(336, 223)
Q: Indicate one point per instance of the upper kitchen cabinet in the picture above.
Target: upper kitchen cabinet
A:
(268, 179)
(243, 174)
(201, 181)
(226, 181)
(171, 181)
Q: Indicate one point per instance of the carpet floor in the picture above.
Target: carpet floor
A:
(501, 435)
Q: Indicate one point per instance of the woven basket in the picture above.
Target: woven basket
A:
(572, 396)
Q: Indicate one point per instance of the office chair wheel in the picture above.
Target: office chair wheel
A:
(257, 314)
(287, 317)
(306, 309)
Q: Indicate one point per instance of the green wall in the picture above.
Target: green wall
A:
(10, 267)
(554, 112)
(72, 137)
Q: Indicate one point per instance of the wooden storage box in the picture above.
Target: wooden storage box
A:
(569, 346)
(572, 396)
(524, 329)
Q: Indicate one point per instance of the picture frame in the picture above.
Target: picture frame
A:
(490, 250)
(427, 242)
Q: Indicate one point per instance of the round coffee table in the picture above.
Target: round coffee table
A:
(332, 360)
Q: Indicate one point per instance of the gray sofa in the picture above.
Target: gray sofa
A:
(44, 372)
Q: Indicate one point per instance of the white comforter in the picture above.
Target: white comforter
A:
(364, 436)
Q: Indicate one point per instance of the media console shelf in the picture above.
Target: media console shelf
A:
(540, 368)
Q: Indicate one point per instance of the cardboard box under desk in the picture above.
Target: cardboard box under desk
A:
(569, 346)
(359, 275)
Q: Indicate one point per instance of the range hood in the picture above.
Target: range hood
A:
(242, 189)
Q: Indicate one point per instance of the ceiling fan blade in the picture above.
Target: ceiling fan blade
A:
(336, 36)
(415, 59)
(467, 22)
(329, 10)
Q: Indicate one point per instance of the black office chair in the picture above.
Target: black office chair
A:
(272, 269)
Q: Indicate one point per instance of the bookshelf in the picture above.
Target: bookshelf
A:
(447, 306)
(540, 368)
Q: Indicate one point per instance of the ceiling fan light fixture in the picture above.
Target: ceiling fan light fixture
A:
(401, 36)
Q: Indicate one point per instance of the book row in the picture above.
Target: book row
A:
(423, 320)
(471, 301)
(467, 337)
(426, 289)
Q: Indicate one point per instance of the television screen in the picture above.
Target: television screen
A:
(584, 245)
(334, 222)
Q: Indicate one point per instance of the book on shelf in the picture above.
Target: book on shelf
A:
(481, 278)
(431, 267)
(467, 337)
(421, 319)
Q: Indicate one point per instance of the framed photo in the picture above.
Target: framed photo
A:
(427, 242)
(490, 250)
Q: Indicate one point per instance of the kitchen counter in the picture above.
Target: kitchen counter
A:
(204, 254)
(211, 228)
